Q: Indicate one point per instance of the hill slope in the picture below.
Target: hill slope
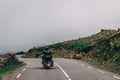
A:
(102, 48)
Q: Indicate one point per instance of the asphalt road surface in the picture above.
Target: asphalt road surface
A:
(64, 69)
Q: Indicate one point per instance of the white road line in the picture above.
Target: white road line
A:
(100, 71)
(63, 71)
(90, 67)
(24, 69)
(116, 77)
(18, 75)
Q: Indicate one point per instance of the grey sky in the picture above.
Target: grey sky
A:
(27, 23)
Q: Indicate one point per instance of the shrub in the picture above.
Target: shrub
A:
(117, 59)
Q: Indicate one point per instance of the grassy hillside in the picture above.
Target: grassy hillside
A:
(85, 44)
(8, 63)
(101, 49)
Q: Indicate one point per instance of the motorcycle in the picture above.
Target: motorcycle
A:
(47, 62)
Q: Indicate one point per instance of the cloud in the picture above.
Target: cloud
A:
(25, 23)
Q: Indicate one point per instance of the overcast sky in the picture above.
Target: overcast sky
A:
(28, 23)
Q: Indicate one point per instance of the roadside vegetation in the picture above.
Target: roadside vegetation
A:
(101, 49)
(8, 63)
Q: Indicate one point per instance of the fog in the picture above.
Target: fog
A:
(28, 23)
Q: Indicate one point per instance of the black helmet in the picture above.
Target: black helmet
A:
(46, 48)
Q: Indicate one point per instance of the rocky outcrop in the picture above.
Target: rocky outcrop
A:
(7, 59)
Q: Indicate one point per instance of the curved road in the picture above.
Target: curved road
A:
(64, 69)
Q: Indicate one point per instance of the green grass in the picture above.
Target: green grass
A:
(6, 70)
(107, 68)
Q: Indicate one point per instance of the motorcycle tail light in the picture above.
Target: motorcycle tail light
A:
(48, 64)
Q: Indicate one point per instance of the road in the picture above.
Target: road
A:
(64, 69)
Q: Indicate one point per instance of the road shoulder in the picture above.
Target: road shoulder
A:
(12, 75)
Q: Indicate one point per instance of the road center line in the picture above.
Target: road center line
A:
(18, 75)
(24, 69)
(116, 77)
(100, 71)
(63, 71)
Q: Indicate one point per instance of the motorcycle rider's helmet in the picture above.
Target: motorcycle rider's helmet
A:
(46, 48)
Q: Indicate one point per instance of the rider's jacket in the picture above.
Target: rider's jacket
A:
(47, 53)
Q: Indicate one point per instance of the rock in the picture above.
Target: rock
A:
(118, 29)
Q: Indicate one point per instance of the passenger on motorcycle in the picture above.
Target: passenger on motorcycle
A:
(47, 54)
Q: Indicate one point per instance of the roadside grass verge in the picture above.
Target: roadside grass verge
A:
(6, 70)
(107, 68)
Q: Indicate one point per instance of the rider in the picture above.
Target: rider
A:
(46, 52)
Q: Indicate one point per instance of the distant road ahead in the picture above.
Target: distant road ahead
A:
(65, 69)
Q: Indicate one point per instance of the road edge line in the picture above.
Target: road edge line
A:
(63, 71)
(100, 71)
(116, 77)
(18, 75)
